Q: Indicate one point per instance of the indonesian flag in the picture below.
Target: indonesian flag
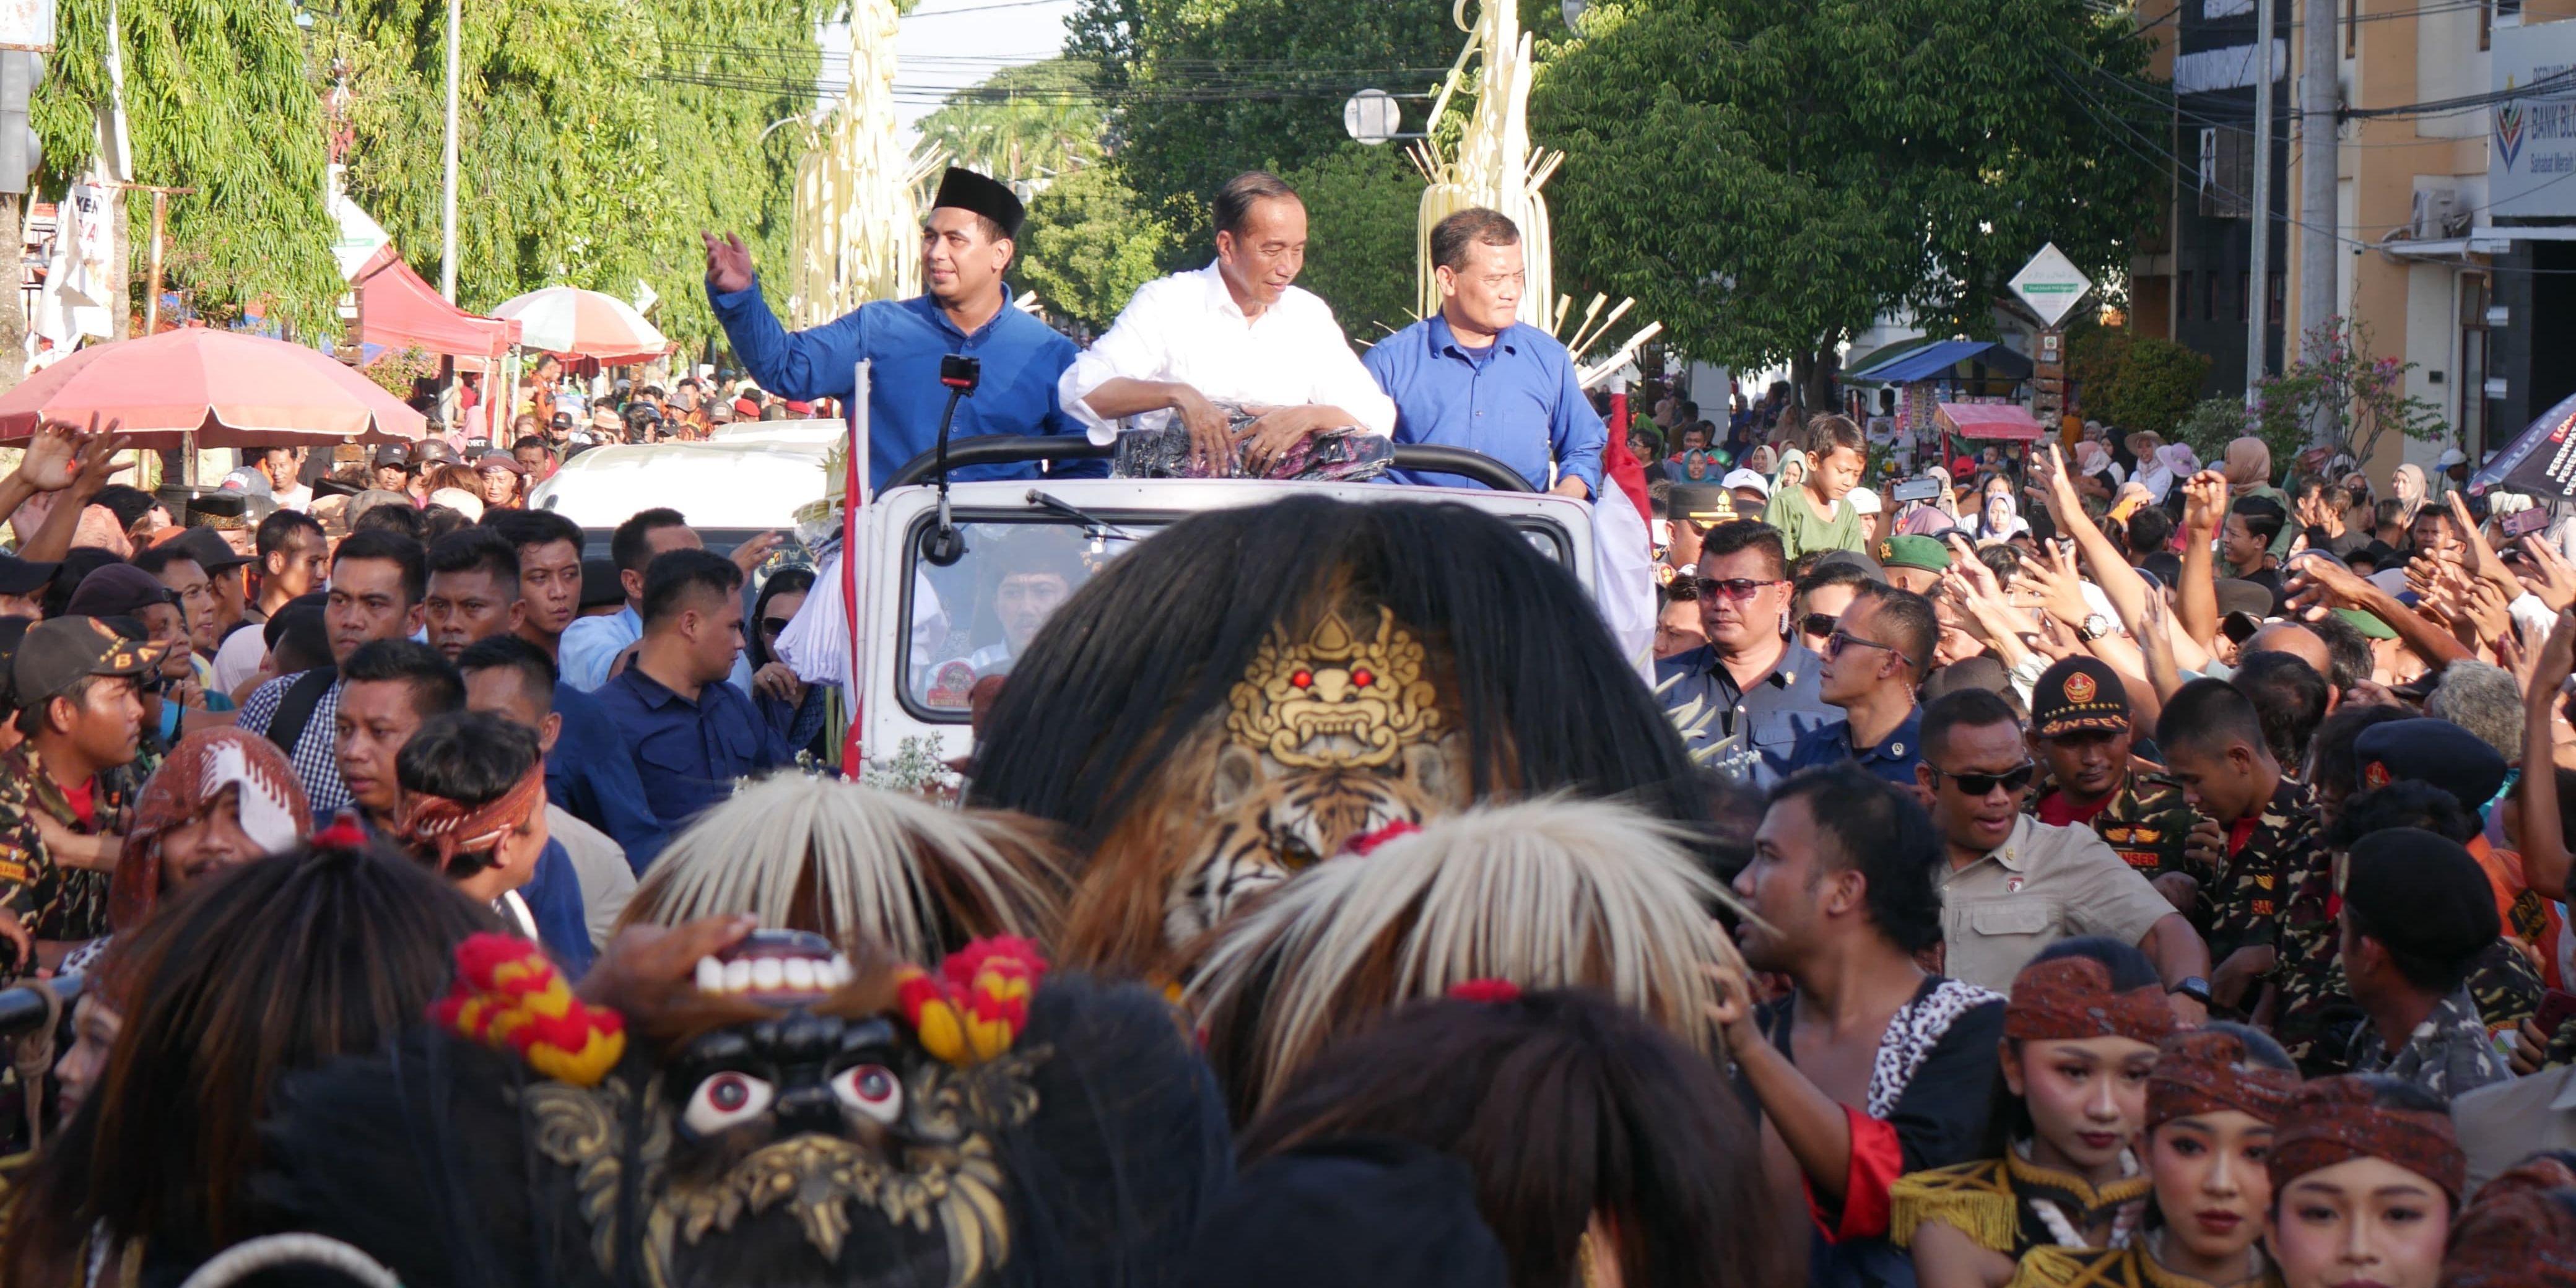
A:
(1623, 553)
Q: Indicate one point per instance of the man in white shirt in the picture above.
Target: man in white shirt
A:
(1237, 331)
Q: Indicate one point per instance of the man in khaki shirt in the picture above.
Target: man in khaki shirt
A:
(2014, 885)
(2504, 1123)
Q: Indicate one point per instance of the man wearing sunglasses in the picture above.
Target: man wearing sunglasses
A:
(2014, 885)
(1751, 682)
(1873, 662)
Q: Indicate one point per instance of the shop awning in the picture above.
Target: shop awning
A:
(2007, 421)
(398, 310)
(1924, 363)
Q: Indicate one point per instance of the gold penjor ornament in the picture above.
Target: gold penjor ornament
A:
(1335, 699)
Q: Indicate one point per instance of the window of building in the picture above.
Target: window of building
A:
(2226, 172)
(2182, 295)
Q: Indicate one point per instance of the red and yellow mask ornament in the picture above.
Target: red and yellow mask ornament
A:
(976, 1006)
(508, 996)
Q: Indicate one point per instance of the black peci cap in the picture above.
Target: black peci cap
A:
(967, 190)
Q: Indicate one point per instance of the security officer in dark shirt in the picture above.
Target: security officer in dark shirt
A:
(1747, 694)
(692, 734)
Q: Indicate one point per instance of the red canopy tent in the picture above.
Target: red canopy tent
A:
(400, 311)
(2008, 421)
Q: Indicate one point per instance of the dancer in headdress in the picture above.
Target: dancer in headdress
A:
(1546, 894)
(2366, 1177)
(2214, 1107)
(1235, 701)
(2080, 1035)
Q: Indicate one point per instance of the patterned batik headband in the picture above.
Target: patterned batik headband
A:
(452, 828)
(2070, 999)
(2336, 1120)
(2205, 1072)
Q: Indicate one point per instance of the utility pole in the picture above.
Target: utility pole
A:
(2320, 163)
(455, 58)
(2258, 281)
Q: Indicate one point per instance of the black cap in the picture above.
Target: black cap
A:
(2075, 694)
(117, 590)
(2420, 893)
(434, 451)
(219, 509)
(60, 653)
(1702, 503)
(1354, 1212)
(395, 455)
(12, 630)
(24, 576)
(2439, 752)
(967, 190)
(210, 550)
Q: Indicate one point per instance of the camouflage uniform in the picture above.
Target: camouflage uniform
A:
(2146, 824)
(2449, 1054)
(2241, 903)
(52, 901)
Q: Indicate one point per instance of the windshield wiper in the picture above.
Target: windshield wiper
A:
(1093, 527)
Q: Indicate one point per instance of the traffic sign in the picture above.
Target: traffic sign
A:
(2051, 284)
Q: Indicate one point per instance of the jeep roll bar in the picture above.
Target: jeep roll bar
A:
(1008, 449)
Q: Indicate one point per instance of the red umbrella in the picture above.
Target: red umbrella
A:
(227, 388)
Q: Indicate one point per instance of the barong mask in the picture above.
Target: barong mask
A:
(1252, 691)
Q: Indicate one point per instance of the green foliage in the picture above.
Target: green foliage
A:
(1768, 179)
(2359, 397)
(1023, 122)
(1211, 88)
(219, 98)
(401, 373)
(2216, 422)
(2152, 387)
(578, 166)
(1361, 205)
(1087, 245)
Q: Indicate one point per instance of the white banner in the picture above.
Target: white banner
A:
(2531, 142)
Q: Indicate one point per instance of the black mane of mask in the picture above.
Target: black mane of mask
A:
(423, 1159)
(1145, 653)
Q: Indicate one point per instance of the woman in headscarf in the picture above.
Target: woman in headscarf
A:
(799, 711)
(1792, 471)
(1763, 460)
(2214, 1104)
(1998, 514)
(2080, 1035)
(2248, 467)
(2407, 485)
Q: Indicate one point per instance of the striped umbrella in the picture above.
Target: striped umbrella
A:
(227, 388)
(565, 319)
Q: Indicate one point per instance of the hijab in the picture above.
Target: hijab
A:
(2408, 484)
(2248, 466)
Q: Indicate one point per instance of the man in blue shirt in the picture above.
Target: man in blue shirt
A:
(1874, 664)
(691, 733)
(966, 242)
(590, 646)
(1470, 376)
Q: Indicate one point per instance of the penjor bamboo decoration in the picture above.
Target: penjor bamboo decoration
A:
(856, 208)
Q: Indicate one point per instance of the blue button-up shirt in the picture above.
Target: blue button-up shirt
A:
(1517, 401)
(1893, 759)
(688, 754)
(591, 644)
(1770, 714)
(591, 776)
(1022, 358)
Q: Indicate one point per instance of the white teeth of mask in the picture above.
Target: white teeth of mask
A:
(711, 975)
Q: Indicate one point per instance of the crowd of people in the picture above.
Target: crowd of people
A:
(1986, 875)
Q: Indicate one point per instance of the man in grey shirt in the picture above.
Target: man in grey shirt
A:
(1752, 682)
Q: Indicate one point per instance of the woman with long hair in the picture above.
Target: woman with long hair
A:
(1603, 1149)
(2366, 1177)
(281, 964)
(2080, 1035)
(800, 712)
(2214, 1107)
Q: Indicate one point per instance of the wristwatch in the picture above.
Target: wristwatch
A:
(2193, 987)
(2093, 627)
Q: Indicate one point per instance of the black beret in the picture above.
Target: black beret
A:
(2439, 752)
(967, 190)
(2421, 894)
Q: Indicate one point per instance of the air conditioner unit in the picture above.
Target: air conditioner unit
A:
(2435, 209)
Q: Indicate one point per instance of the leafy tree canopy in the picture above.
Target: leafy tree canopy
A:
(1767, 179)
(218, 98)
(1088, 244)
(1361, 205)
(1034, 121)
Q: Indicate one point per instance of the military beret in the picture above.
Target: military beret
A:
(2421, 894)
(2439, 752)
(1914, 552)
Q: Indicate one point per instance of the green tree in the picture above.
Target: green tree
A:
(2153, 388)
(2359, 397)
(219, 98)
(1088, 244)
(1768, 179)
(1361, 204)
(1207, 89)
(1038, 120)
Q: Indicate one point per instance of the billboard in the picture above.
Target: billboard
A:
(2531, 140)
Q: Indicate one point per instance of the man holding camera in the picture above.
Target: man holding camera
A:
(967, 241)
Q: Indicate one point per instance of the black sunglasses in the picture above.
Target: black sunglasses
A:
(773, 625)
(1733, 587)
(1819, 623)
(2013, 780)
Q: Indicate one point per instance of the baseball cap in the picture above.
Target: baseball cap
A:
(563, 420)
(2075, 694)
(24, 576)
(1746, 478)
(394, 455)
(1863, 500)
(434, 451)
(60, 653)
(1923, 553)
(117, 590)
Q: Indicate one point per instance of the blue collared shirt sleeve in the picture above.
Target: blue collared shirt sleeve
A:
(590, 646)
(1578, 435)
(814, 363)
(592, 777)
(553, 896)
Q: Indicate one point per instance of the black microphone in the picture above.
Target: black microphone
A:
(945, 545)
